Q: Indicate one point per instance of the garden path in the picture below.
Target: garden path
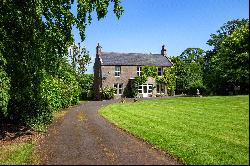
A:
(83, 137)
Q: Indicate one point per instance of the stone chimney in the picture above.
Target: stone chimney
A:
(164, 51)
(98, 51)
(97, 68)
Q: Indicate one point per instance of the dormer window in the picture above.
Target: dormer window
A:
(139, 68)
(160, 71)
(117, 71)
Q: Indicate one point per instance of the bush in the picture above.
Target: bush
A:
(37, 117)
(192, 88)
(35, 93)
(34, 104)
(86, 85)
(60, 91)
(107, 93)
(86, 94)
(69, 86)
(4, 88)
(160, 95)
(27, 107)
(51, 91)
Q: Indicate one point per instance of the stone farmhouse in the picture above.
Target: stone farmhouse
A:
(116, 70)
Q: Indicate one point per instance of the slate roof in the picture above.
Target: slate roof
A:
(134, 59)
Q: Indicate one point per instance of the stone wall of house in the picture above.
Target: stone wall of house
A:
(127, 72)
(97, 83)
(104, 76)
(109, 78)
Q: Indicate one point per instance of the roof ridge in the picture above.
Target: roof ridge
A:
(130, 53)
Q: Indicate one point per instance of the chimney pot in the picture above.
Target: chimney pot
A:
(164, 51)
(98, 50)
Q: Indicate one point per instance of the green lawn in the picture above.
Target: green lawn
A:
(199, 130)
(16, 154)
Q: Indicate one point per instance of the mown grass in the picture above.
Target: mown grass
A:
(16, 154)
(198, 130)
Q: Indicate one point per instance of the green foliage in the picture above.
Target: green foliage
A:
(51, 94)
(227, 63)
(16, 154)
(139, 80)
(193, 55)
(50, 91)
(107, 93)
(4, 87)
(80, 58)
(70, 89)
(147, 71)
(34, 41)
(193, 86)
(188, 69)
(224, 31)
(180, 73)
(198, 130)
(86, 85)
(169, 79)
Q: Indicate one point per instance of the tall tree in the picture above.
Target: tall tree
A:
(226, 65)
(188, 70)
(34, 37)
(79, 58)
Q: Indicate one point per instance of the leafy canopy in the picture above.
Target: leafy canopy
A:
(34, 40)
(188, 69)
(227, 63)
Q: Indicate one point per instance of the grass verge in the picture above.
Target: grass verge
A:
(206, 130)
(21, 150)
(16, 154)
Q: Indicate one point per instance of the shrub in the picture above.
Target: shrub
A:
(27, 107)
(60, 91)
(69, 87)
(107, 93)
(35, 104)
(160, 95)
(35, 93)
(86, 85)
(4, 87)
(192, 88)
(51, 91)
(39, 116)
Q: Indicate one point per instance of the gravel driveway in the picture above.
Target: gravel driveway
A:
(83, 137)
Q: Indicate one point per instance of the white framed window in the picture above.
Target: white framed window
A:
(139, 68)
(160, 71)
(117, 71)
(118, 88)
(115, 87)
(160, 88)
(145, 88)
(150, 88)
(140, 89)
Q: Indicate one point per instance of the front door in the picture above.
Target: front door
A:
(146, 89)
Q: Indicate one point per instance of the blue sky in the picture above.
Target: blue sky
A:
(148, 24)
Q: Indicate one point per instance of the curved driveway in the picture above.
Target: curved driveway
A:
(83, 137)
